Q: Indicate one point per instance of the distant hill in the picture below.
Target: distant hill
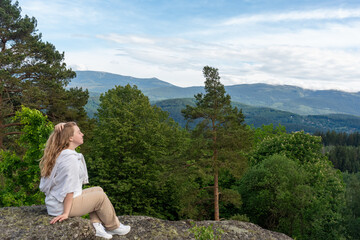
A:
(99, 82)
(296, 99)
(281, 97)
(258, 116)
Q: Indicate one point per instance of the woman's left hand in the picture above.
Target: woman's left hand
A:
(59, 218)
(67, 206)
(59, 127)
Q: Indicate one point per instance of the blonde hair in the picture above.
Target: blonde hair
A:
(58, 141)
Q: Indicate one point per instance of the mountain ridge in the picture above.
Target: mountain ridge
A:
(258, 116)
(100, 82)
(280, 97)
(291, 106)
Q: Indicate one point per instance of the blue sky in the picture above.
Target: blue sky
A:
(311, 44)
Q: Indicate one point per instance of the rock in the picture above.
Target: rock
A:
(32, 222)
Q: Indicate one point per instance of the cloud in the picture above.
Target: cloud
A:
(108, 61)
(169, 53)
(78, 67)
(305, 66)
(301, 66)
(127, 39)
(331, 35)
(318, 14)
(316, 48)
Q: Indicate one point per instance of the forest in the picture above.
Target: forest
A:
(304, 185)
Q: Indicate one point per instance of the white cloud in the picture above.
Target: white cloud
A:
(330, 35)
(319, 14)
(108, 61)
(127, 39)
(301, 66)
(78, 67)
(309, 67)
(313, 49)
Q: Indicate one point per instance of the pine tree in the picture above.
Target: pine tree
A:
(222, 132)
(32, 73)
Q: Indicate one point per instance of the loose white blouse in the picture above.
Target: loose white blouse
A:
(67, 176)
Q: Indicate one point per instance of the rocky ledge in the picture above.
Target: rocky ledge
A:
(32, 222)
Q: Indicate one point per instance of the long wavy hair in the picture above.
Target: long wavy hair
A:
(58, 141)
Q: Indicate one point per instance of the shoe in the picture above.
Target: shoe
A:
(122, 230)
(100, 231)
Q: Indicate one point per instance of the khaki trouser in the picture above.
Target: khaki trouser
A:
(95, 202)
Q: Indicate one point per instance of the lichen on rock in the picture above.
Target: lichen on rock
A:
(32, 222)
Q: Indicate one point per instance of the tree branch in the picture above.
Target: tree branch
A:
(11, 133)
(10, 125)
(10, 115)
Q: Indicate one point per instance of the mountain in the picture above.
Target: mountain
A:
(257, 116)
(280, 97)
(294, 107)
(296, 99)
(99, 82)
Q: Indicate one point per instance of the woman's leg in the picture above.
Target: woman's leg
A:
(92, 189)
(95, 200)
(93, 216)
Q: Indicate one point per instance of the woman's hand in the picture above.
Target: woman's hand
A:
(59, 127)
(59, 218)
(67, 206)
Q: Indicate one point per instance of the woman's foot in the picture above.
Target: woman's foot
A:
(100, 231)
(122, 230)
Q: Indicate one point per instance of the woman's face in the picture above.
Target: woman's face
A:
(77, 139)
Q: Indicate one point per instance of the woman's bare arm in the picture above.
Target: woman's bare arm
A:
(67, 207)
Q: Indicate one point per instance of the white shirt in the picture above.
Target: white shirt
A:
(68, 175)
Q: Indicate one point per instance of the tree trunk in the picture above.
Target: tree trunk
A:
(216, 173)
(216, 195)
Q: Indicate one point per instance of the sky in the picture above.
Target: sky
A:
(313, 44)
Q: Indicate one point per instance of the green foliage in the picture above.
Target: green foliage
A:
(308, 194)
(266, 131)
(196, 186)
(352, 210)
(297, 146)
(206, 233)
(339, 138)
(344, 158)
(240, 217)
(342, 149)
(131, 152)
(21, 173)
(275, 194)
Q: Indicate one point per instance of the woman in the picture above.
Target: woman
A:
(63, 171)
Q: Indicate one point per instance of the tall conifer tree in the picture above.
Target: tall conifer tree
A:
(221, 130)
(32, 73)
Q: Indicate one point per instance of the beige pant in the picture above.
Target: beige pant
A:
(95, 202)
